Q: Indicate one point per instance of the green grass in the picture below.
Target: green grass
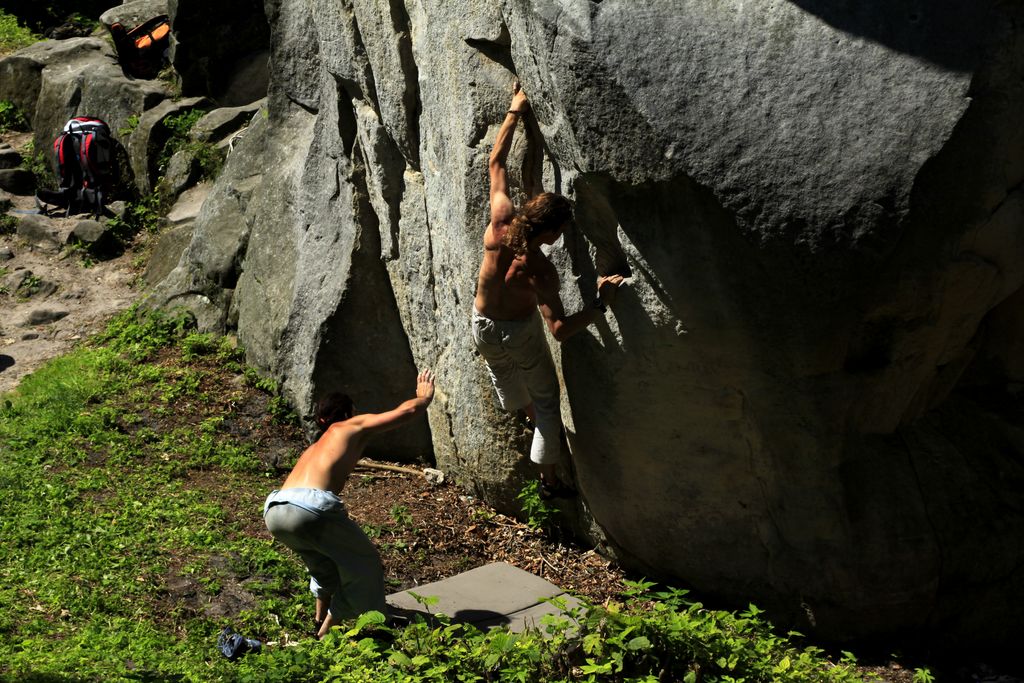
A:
(8, 225)
(123, 479)
(104, 511)
(13, 36)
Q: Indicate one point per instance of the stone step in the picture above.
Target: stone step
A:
(495, 595)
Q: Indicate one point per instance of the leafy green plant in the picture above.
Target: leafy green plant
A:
(205, 154)
(195, 344)
(209, 158)
(401, 515)
(83, 21)
(265, 384)
(11, 118)
(178, 127)
(539, 515)
(144, 215)
(281, 411)
(37, 162)
(8, 224)
(13, 36)
(30, 285)
(169, 77)
(278, 406)
(82, 252)
(130, 124)
(427, 601)
(923, 675)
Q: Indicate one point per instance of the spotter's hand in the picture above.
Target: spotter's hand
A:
(425, 385)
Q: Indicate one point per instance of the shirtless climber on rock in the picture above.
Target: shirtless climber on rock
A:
(515, 280)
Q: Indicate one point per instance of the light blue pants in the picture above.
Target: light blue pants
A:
(522, 372)
(343, 565)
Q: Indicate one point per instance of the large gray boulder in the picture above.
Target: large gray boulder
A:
(40, 232)
(809, 393)
(134, 13)
(21, 73)
(55, 80)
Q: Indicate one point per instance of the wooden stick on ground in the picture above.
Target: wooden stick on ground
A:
(369, 464)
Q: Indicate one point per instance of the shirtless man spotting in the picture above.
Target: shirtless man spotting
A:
(516, 279)
(307, 515)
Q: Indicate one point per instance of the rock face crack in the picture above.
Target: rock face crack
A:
(411, 88)
(360, 48)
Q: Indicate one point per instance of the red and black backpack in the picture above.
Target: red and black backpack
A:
(83, 158)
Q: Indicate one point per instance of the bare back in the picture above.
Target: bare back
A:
(327, 464)
(505, 288)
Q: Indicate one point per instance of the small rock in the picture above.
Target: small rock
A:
(17, 181)
(9, 157)
(26, 284)
(73, 295)
(16, 279)
(39, 231)
(6, 254)
(167, 252)
(117, 208)
(29, 336)
(41, 289)
(96, 236)
(186, 208)
(433, 476)
(87, 231)
(44, 316)
(183, 171)
(220, 123)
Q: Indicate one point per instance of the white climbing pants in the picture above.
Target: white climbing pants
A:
(522, 372)
(343, 565)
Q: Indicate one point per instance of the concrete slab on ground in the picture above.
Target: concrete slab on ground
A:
(495, 595)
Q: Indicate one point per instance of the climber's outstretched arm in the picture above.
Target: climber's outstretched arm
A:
(501, 205)
(549, 302)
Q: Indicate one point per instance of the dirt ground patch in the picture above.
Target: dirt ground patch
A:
(52, 296)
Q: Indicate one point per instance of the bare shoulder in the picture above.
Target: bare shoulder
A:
(493, 237)
(345, 428)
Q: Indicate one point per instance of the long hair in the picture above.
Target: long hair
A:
(334, 407)
(544, 213)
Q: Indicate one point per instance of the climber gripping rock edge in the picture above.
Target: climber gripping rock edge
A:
(516, 279)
